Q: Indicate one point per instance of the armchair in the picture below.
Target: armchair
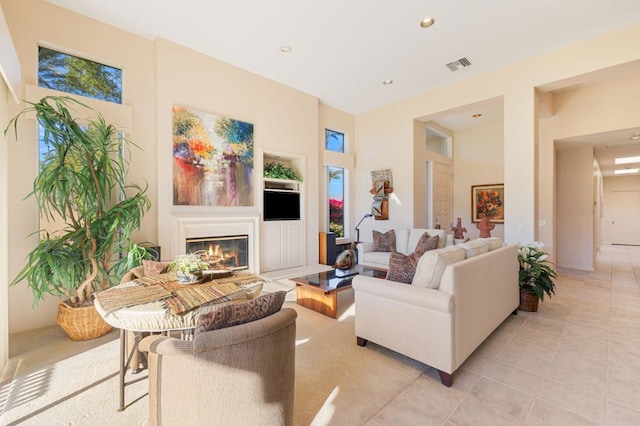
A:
(237, 375)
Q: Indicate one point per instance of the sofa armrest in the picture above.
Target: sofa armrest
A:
(364, 246)
(426, 298)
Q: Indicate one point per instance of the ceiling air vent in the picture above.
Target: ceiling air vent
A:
(460, 63)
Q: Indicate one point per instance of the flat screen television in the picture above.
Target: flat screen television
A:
(281, 205)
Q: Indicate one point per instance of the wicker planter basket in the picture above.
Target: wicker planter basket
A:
(528, 301)
(81, 323)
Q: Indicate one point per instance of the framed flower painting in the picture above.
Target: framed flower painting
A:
(487, 201)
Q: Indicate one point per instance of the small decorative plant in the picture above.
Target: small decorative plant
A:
(536, 273)
(188, 267)
(280, 171)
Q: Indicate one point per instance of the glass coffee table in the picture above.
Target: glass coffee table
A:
(319, 292)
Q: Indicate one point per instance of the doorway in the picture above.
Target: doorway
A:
(625, 211)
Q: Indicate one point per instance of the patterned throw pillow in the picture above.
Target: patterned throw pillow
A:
(241, 313)
(384, 242)
(152, 267)
(402, 267)
(425, 243)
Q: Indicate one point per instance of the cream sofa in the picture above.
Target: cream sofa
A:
(406, 240)
(440, 326)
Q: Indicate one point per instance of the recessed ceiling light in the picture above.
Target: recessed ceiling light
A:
(427, 22)
(286, 49)
(627, 160)
(626, 171)
(476, 115)
(635, 136)
(387, 82)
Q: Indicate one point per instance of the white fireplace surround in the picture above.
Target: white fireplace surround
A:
(213, 226)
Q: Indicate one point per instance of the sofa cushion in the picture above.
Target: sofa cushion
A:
(380, 258)
(475, 247)
(494, 242)
(432, 264)
(384, 242)
(402, 241)
(241, 313)
(152, 267)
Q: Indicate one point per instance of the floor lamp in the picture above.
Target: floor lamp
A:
(358, 226)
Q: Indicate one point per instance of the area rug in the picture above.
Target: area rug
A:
(56, 381)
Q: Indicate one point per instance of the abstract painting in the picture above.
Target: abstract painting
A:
(212, 159)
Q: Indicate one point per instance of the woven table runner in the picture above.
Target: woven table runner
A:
(179, 298)
(115, 298)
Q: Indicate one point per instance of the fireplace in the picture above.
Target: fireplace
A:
(185, 227)
(222, 252)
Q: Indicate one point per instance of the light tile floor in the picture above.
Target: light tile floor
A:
(574, 362)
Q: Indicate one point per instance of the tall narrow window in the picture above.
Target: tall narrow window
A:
(334, 141)
(71, 74)
(335, 176)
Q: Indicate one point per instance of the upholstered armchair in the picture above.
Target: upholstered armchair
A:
(242, 374)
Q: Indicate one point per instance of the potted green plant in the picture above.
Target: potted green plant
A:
(280, 171)
(188, 267)
(536, 276)
(81, 185)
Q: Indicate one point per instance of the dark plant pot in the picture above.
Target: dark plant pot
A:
(528, 301)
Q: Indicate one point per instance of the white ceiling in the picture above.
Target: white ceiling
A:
(344, 49)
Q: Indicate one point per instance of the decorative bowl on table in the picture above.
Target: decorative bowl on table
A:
(188, 277)
(188, 267)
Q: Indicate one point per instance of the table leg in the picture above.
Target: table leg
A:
(123, 367)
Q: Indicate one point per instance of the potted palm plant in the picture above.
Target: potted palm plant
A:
(536, 276)
(81, 184)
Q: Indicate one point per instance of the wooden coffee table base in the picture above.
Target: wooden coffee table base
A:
(325, 302)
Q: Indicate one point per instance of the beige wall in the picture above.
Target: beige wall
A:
(478, 160)
(32, 22)
(574, 172)
(157, 75)
(9, 92)
(285, 120)
(4, 227)
(598, 107)
(385, 135)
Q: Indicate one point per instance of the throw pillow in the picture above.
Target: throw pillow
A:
(152, 267)
(241, 313)
(426, 243)
(384, 242)
(402, 267)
